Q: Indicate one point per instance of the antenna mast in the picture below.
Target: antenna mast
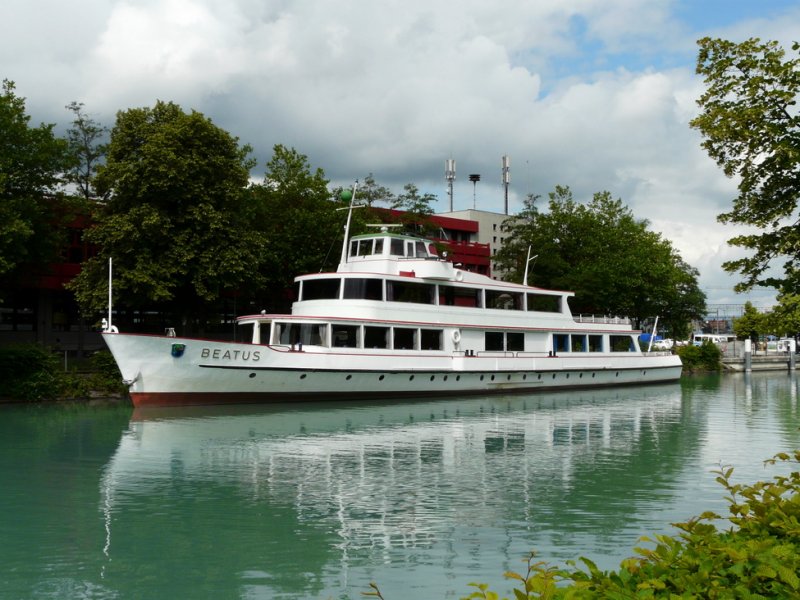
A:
(506, 170)
(474, 178)
(450, 176)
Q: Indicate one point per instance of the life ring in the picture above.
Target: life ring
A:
(456, 336)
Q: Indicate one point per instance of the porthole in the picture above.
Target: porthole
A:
(252, 375)
(458, 377)
(411, 378)
(567, 375)
(580, 376)
(445, 377)
(492, 378)
(481, 377)
(508, 378)
(554, 375)
(592, 375)
(616, 374)
(303, 376)
(524, 376)
(432, 377)
(539, 376)
(381, 377)
(349, 377)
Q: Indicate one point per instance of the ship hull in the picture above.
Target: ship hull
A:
(169, 371)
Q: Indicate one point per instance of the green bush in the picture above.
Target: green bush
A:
(707, 357)
(756, 555)
(31, 373)
(28, 373)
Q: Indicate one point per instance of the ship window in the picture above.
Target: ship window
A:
(419, 250)
(493, 341)
(321, 289)
(515, 341)
(560, 342)
(378, 249)
(503, 300)
(402, 291)
(578, 343)
(363, 289)
(544, 303)
(595, 343)
(300, 333)
(622, 343)
(344, 336)
(354, 248)
(430, 339)
(459, 296)
(376, 337)
(396, 248)
(404, 338)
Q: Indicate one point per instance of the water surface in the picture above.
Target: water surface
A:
(317, 500)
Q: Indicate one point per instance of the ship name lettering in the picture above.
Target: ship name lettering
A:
(217, 353)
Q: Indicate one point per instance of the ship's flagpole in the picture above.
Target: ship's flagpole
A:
(110, 287)
(352, 199)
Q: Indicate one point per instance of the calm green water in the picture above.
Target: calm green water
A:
(317, 500)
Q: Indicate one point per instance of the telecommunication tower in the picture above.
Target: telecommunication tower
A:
(450, 176)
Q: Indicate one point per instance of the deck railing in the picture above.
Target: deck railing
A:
(603, 319)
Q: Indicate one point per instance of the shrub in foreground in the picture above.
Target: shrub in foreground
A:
(707, 357)
(755, 555)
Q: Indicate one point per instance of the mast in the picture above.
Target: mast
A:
(352, 197)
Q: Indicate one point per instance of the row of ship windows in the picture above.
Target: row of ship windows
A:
(482, 377)
(332, 288)
(420, 338)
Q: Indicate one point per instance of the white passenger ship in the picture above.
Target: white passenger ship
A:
(394, 320)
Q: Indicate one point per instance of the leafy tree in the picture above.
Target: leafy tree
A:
(299, 220)
(612, 262)
(751, 127)
(370, 192)
(32, 209)
(750, 325)
(417, 208)
(177, 221)
(86, 143)
(784, 319)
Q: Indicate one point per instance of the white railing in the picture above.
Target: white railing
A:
(602, 319)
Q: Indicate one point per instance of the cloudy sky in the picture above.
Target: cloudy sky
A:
(596, 95)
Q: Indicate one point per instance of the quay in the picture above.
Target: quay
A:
(735, 358)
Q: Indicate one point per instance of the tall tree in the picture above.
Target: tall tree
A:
(176, 221)
(416, 208)
(751, 126)
(299, 221)
(32, 209)
(87, 144)
(612, 262)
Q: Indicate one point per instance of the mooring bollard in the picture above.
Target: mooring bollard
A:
(748, 355)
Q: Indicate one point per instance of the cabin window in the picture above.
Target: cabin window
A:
(430, 339)
(376, 337)
(622, 343)
(378, 248)
(459, 296)
(312, 334)
(578, 343)
(396, 248)
(493, 341)
(321, 289)
(419, 250)
(560, 342)
(404, 338)
(364, 247)
(595, 343)
(503, 300)
(402, 291)
(515, 341)
(344, 336)
(363, 289)
(544, 303)
(354, 248)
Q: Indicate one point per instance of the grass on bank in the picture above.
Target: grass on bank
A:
(31, 373)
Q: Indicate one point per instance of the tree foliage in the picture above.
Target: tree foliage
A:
(176, 220)
(32, 209)
(751, 324)
(416, 209)
(86, 138)
(297, 216)
(751, 128)
(612, 262)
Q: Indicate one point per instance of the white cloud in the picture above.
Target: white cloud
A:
(596, 96)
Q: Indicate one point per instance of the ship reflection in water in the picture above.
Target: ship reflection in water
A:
(456, 490)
